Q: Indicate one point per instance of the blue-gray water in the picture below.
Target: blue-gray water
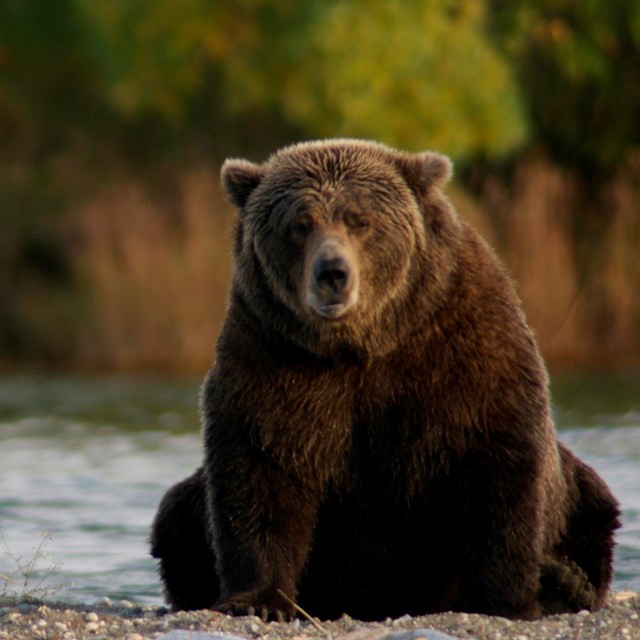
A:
(86, 459)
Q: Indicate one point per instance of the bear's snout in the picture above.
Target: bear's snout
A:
(332, 274)
(332, 280)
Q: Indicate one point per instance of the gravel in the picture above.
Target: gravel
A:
(123, 620)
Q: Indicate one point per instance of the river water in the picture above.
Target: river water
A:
(84, 462)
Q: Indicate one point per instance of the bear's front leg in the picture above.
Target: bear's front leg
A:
(505, 530)
(262, 523)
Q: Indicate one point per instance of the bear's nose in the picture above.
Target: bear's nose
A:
(331, 273)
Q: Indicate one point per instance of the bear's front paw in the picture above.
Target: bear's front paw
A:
(267, 605)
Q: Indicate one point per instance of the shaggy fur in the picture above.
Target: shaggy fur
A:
(378, 438)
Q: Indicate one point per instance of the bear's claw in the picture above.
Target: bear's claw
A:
(240, 605)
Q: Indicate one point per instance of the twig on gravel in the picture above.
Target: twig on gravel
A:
(314, 621)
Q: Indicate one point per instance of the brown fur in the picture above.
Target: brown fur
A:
(377, 427)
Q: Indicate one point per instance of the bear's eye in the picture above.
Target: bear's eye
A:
(301, 228)
(357, 223)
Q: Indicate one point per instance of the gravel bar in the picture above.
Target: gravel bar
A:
(619, 620)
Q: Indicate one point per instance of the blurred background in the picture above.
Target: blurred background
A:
(115, 116)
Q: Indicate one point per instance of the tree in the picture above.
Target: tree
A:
(578, 64)
(47, 84)
(413, 73)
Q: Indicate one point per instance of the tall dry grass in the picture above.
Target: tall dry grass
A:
(156, 267)
(620, 278)
(156, 272)
(574, 253)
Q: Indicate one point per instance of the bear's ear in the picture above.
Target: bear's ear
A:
(424, 171)
(240, 178)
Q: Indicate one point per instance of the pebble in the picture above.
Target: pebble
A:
(105, 602)
(195, 635)
(23, 607)
(14, 616)
(124, 604)
(398, 622)
(583, 613)
(618, 621)
(419, 634)
(623, 596)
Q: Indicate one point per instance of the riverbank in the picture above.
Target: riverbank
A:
(619, 620)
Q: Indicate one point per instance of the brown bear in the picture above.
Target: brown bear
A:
(378, 437)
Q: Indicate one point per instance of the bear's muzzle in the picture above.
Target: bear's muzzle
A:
(332, 280)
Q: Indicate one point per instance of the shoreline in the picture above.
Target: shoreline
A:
(619, 619)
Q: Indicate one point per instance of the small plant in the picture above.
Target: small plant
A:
(26, 579)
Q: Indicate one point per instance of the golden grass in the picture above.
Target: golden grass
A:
(575, 258)
(156, 269)
(157, 274)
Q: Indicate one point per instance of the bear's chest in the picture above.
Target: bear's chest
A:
(343, 424)
(400, 446)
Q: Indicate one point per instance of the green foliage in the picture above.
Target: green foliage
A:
(46, 79)
(470, 77)
(149, 52)
(579, 67)
(415, 74)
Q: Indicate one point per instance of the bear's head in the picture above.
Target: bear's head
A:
(335, 236)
